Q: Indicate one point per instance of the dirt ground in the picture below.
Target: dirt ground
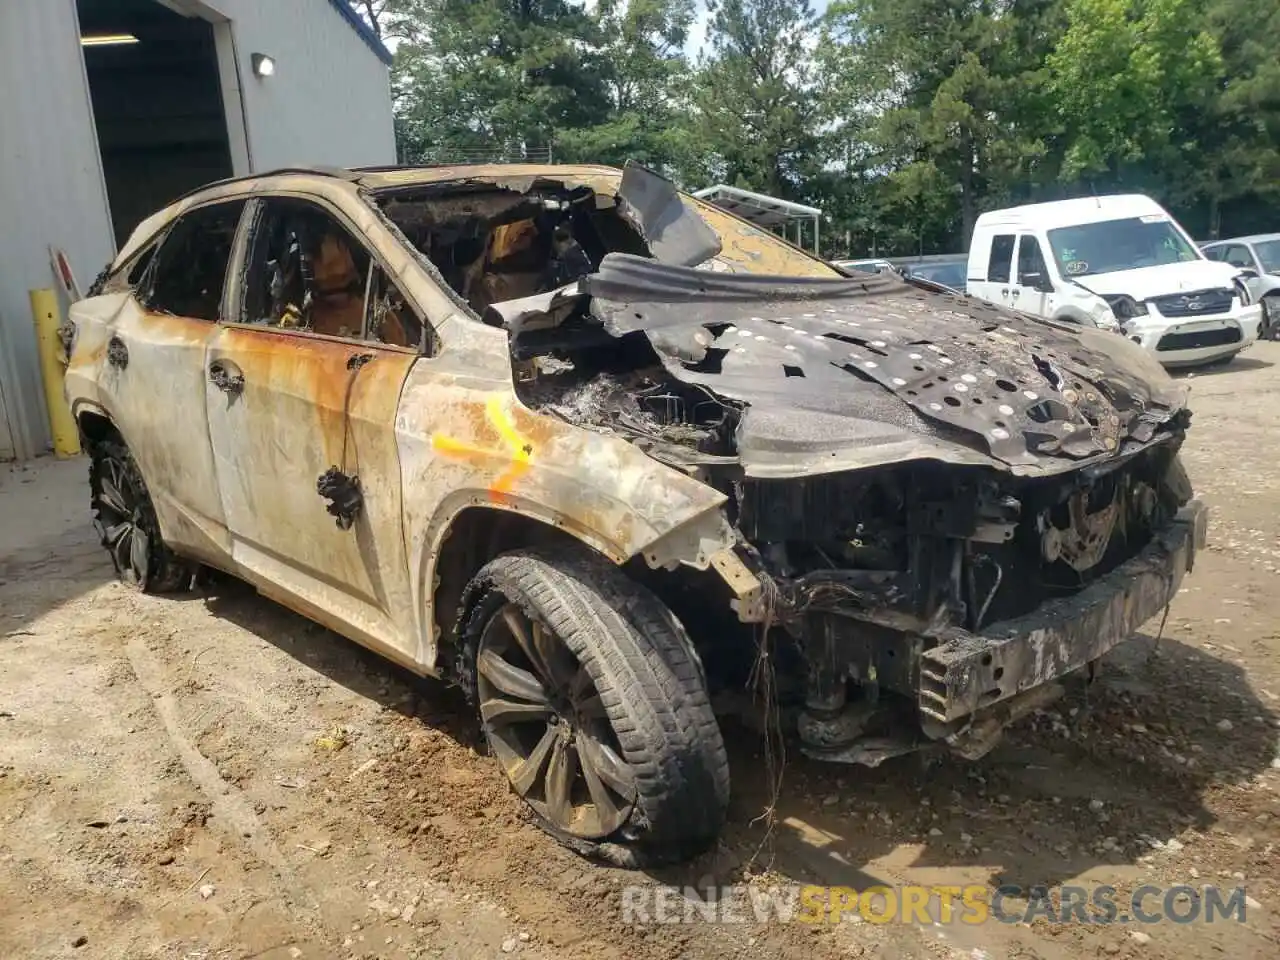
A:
(211, 776)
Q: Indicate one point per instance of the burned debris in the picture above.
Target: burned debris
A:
(345, 499)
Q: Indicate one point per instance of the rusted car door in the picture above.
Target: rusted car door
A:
(288, 405)
(153, 373)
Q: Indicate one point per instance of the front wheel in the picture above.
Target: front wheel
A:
(593, 701)
(1270, 328)
(126, 521)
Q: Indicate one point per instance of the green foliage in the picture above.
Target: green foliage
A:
(1124, 73)
(902, 119)
(751, 119)
(636, 58)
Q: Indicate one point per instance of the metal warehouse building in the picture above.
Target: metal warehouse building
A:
(111, 108)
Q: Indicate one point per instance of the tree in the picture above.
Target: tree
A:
(751, 116)
(902, 119)
(1239, 134)
(1123, 76)
(372, 11)
(637, 58)
(952, 88)
(488, 78)
(392, 19)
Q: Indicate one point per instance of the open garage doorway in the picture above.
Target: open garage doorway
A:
(157, 104)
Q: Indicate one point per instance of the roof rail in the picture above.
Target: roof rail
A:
(340, 173)
(429, 164)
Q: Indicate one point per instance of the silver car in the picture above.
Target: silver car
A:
(1259, 256)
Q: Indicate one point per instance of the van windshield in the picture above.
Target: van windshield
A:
(1111, 245)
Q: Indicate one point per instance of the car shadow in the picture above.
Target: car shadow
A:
(1237, 365)
(1107, 775)
(40, 576)
(342, 661)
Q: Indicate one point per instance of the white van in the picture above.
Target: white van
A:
(1120, 262)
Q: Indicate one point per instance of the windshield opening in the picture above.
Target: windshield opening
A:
(493, 241)
(1127, 244)
(947, 274)
(1268, 255)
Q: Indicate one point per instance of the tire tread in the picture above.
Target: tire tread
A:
(651, 682)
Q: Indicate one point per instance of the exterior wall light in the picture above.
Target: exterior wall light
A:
(263, 65)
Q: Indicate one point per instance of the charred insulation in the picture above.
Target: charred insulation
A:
(619, 392)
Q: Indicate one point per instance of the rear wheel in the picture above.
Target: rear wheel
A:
(593, 701)
(126, 521)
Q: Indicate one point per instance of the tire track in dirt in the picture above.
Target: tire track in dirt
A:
(232, 812)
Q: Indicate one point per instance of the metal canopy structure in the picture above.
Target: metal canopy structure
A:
(765, 211)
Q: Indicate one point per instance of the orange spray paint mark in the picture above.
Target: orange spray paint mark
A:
(517, 454)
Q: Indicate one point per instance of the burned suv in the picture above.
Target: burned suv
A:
(595, 450)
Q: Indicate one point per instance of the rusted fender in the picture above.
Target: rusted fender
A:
(466, 440)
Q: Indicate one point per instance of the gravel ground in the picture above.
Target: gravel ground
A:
(211, 776)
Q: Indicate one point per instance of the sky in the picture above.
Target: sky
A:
(698, 31)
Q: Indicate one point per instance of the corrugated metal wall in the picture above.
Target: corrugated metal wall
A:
(51, 192)
(328, 103)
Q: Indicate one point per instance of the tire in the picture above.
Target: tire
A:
(126, 521)
(626, 687)
(1270, 329)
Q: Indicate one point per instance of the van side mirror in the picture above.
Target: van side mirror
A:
(1038, 281)
(1248, 273)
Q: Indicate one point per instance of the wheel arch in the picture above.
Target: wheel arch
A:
(1073, 314)
(468, 538)
(472, 528)
(96, 425)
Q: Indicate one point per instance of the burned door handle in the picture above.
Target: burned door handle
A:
(226, 376)
(117, 353)
(1004, 291)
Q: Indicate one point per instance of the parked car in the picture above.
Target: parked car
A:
(1258, 259)
(864, 266)
(592, 449)
(949, 272)
(1115, 259)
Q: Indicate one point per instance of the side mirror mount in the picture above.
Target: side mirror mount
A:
(1038, 281)
(1248, 273)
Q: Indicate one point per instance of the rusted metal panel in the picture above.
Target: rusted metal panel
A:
(302, 408)
(466, 440)
(146, 372)
(753, 250)
(589, 174)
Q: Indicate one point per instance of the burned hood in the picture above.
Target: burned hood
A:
(822, 366)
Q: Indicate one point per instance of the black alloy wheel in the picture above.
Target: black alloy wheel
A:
(547, 726)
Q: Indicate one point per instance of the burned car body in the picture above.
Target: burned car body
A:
(499, 422)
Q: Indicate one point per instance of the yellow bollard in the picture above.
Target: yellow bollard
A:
(44, 307)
